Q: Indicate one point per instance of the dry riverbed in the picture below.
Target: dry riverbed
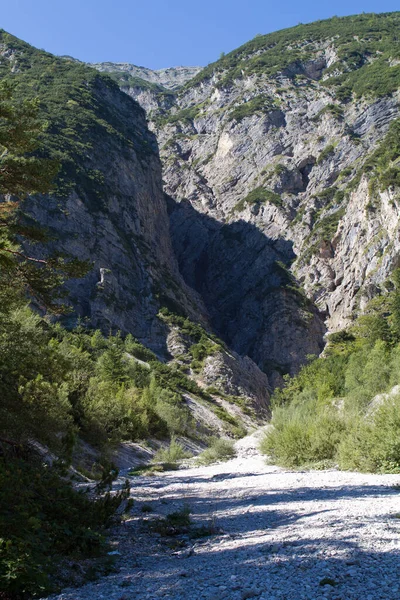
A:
(275, 534)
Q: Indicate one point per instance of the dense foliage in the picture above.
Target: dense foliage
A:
(43, 522)
(331, 412)
(58, 385)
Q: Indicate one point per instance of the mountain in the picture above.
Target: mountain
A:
(108, 208)
(283, 156)
(108, 205)
(152, 89)
(272, 215)
(171, 78)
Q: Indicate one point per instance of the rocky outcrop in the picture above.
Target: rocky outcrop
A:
(171, 78)
(221, 370)
(263, 156)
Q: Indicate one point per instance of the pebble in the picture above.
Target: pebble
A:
(322, 525)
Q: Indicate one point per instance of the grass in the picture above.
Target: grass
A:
(326, 153)
(331, 109)
(174, 453)
(259, 104)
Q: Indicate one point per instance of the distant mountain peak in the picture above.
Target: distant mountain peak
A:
(171, 78)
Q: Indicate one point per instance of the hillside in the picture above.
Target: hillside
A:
(290, 143)
(128, 75)
(108, 208)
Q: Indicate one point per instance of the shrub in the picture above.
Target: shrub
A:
(289, 446)
(171, 410)
(219, 450)
(43, 520)
(374, 444)
(326, 153)
(173, 454)
(132, 346)
(303, 437)
(259, 104)
(259, 195)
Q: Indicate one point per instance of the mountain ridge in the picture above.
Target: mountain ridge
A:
(270, 152)
(301, 145)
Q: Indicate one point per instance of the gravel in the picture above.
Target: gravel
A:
(278, 535)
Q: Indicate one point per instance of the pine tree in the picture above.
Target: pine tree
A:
(24, 172)
(112, 366)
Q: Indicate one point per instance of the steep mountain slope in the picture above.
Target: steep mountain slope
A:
(285, 153)
(108, 205)
(280, 168)
(171, 78)
(152, 89)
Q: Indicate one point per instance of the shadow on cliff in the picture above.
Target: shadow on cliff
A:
(254, 302)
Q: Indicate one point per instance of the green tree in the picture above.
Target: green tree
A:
(395, 305)
(23, 172)
(112, 365)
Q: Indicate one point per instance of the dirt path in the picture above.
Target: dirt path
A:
(280, 534)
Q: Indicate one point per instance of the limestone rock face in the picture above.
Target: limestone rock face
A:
(253, 199)
(243, 278)
(171, 78)
(223, 371)
(274, 220)
(237, 376)
(111, 212)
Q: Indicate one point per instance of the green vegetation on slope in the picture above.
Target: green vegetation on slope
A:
(367, 48)
(76, 113)
(259, 104)
(324, 414)
(259, 195)
(58, 385)
(47, 529)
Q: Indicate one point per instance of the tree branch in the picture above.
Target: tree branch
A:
(30, 258)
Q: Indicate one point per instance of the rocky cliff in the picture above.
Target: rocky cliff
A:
(282, 162)
(108, 207)
(277, 216)
(152, 89)
(171, 78)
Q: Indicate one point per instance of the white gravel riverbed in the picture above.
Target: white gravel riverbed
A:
(280, 534)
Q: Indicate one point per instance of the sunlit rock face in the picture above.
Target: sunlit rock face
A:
(268, 158)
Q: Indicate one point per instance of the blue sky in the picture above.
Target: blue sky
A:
(157, 33)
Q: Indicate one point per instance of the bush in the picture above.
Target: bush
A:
(173, 454)
(303, 433)
(259, 195)
(132, 346)
(173, 412)
(43, 520)
(220, 450)
(374, 444)
(311, 426)
(326, 152)
(289, 446)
